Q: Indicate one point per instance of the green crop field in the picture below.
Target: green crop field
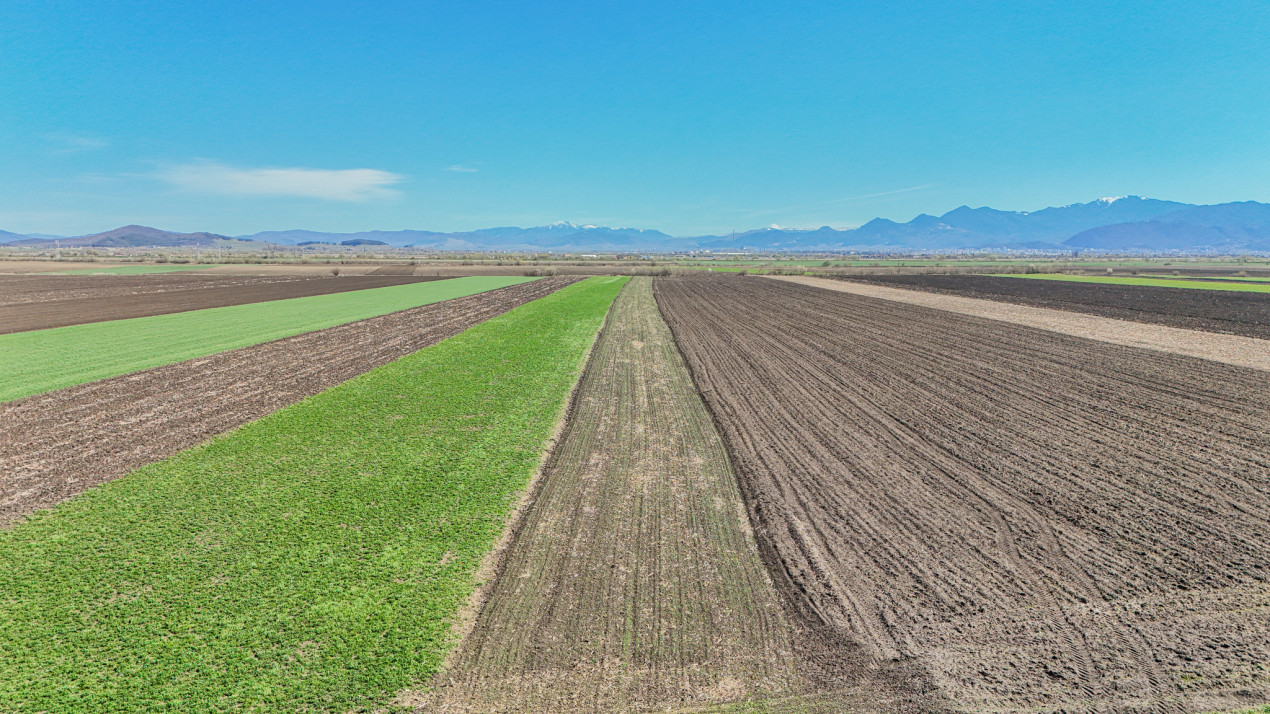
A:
(141, 269)
(1151, 282)
(311, 560)
(43, 360)
(1233, 278)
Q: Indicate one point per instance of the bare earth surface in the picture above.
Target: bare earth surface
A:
(1234, 313)
(31, 302)
(54, 446)
(1040, 521)
(1230, 349)
(632, 582)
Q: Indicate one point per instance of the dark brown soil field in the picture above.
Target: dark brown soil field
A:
(36, 302)
(1234, 313)
(54, 446)
(1032, 520)
(633, 582)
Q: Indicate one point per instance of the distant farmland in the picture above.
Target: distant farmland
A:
(35, 362)
(1227, 283)
(1232, 312)
(688, 493)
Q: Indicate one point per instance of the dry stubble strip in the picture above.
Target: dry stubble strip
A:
(633, 582)
(1219, 311)
(57, 445)
(1042, 520)
(1230, 349)
(38, 303)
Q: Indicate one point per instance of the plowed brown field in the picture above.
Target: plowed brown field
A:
(36, 302)
(1235, 313)
(633, 583)
(54, 446)
(1039, 521)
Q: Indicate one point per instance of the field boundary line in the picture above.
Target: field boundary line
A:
(494, 562)
(1228, 349)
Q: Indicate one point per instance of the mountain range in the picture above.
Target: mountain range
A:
(1113, 225)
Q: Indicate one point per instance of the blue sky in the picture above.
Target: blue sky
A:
(693, 118)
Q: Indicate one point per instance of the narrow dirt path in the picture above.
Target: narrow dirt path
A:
(1043, 522)
(633, 583)
(1230, 349)
(57, 445)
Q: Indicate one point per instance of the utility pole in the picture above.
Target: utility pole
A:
(57, 254)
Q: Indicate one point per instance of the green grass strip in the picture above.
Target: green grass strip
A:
(309, 561)
(142, 269)
(44, 360)
(1244, 279)
(1150, 282)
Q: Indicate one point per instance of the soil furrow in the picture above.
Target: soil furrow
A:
(1024, 512)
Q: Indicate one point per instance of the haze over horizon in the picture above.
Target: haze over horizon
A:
(691, 121)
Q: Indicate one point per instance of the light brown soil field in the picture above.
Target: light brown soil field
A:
(1219, 311)
(1231, 349)
(30, 302)
(633, 582)
(1039, 521)
(28, 289)
(54, 446)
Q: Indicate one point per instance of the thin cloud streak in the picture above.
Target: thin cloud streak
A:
(352, 185)
(461, 169)
(69, 143)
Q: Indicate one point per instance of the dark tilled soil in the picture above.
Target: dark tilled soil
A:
(36, 302)
(1234, 313)
(1040, 522)
(54, 446)
(632, 582)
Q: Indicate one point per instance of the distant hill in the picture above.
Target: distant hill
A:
(129, 237)
(1120, 224)
(1223, 228)
(302, 237)
(962, 228)
(561, 236)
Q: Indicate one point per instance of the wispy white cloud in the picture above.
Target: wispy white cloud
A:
(71, 143)
(327, 184)
(461, 169)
